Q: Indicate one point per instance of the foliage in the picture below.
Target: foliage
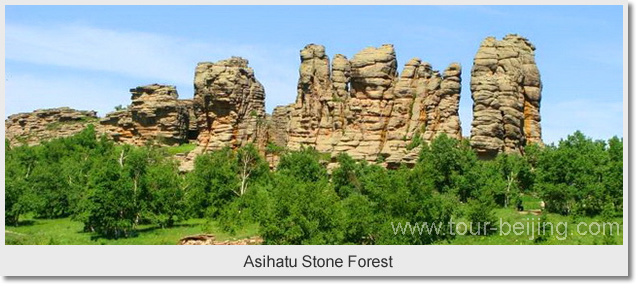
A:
(114, 190)
(345, 176)
(212, 183)
(305, 212)
(613, 178)
(109, 208)
(416, 141)
(450, 165)
(480, 214)
(580, 175)
(303, 165)
(273, 148)
(166, 203)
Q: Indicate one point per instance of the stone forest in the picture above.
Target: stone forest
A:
(366, 153)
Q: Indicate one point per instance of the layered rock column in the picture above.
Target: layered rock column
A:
(506, 90)
(360, 106)
(365, 108)
(314, 88)
(229, 104)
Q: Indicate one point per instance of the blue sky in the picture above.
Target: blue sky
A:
(88, 57)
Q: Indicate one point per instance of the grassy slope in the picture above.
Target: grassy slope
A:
(67, 232)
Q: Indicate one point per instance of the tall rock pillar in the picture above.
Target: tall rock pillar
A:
(506, 91)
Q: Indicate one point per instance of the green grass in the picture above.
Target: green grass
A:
(183, 148)
(68, 232)
(530, 202)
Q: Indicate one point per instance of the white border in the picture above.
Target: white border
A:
(229, 260)
(408, 260)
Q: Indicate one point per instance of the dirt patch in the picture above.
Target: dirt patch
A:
(207, 239)
(535, 212)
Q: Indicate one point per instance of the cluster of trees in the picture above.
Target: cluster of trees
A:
(580, 176)
(112, 188)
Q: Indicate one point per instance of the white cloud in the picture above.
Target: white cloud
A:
(100, 65)
(141, 55)
(137, 56)
(26, 92)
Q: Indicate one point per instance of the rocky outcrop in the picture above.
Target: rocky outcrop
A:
(364, 108)
(360, 106)
(506, 90)
(156, 114)
(229, 104)
(278, 125)
(45, 124)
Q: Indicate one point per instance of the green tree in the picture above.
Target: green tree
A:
(345, 177)
(304, 213)
(479, 213)
(166, 202)
(303, 164)
(213, 182)
(450, 164)
(251, 166)
(110, 209)
(613, 179)
(19, 197)
(570, 177)
(361, 220)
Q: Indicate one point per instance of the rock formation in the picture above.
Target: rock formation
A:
(229, 104)
(506, 90)
(45, 124)
(155, 114)
(278, 124)
(364, 108)
(361, 106)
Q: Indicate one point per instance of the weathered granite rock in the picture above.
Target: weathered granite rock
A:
(364, 108)
(361, 106)
(279, 122)
(506, 91)
(229, 104)
(45, 124)
(155, 114)
(193, 130)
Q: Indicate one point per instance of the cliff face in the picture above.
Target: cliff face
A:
(155, 114)
(44, 124)
(506, 90)
(364, 108)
